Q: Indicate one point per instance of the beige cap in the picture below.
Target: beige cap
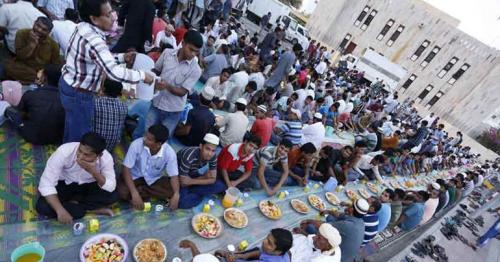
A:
(241, 100)
(208, 93)
(211, 139)
(331, 234)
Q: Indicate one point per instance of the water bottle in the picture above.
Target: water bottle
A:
(331, 184)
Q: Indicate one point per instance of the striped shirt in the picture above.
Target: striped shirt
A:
(190, 163)
(371, 227)
(269, 157)
(292, 130)
(88, 60)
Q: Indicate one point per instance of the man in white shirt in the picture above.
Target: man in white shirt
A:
(237, 83)
(15, 16)
(146, 161)
(367, 168)
(321, 67)
(78, 177)
(55, 9)
(166, 38)
(314, 133)
(63, 29)
(235, 124)
(321, 247)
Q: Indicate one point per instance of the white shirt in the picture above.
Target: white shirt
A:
(61, 33)
(17, 16)
(303, 251)
(232, 38)
(62, 166)
(220, 89)
(235, 126)
(299, 103)
(314, 133)
(161, 37)
(364, 163)
(258, 78)
(237, 83)
(320, 68)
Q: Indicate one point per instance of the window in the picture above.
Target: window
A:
(395, 35)
(458, 74)
(386, 29)
(430, 56)
(425, 92)
(368, 19)
(301, 31)
(362, 15)
(435, 99)
(447, 67)
(409, 81)
(420, 50)
(344, 42)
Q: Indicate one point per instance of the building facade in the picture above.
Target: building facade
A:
(450, 73)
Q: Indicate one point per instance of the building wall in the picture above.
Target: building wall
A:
(467, 102)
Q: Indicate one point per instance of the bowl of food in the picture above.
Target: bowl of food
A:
(332, 198)
(206, 225)
(299, 206)
(270, 209)
(236, 218)
(316, 202)
(104, 247)
(150, 250)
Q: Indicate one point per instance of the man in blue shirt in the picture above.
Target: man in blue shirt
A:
(412, 214)
(415, 140)
(330, 114)
(143, 167)
(384, 214)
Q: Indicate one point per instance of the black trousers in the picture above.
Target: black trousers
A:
(89, 197)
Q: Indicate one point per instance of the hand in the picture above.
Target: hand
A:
(149, 78)
(271, 192)
(174, 201)
(233, 183)
(185, 180)
(87, 166)
(303, 182)
(186, 244)
(325, 212)
(161, 85)
(129, 58)
(64, 217)
(137, 202)
(34, 38)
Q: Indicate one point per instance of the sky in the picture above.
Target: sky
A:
(478, 18)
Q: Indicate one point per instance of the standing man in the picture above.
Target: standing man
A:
(143, 167)
(284, 66)
(264, 21)
(180, 71)
(63, 30)
(198, 172)
(88, 60)
(55, 9)
(78, 177)
(139, 16)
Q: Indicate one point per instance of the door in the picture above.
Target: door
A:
(350, 47)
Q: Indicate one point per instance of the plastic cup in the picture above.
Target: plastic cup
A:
(231, 196)
(31, 248)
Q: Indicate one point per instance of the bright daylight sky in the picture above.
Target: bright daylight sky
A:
(478, 18)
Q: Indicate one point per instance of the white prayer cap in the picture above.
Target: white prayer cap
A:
(211, 139)
(318, 115)
(331, 234)
(436, 186)
(208, 93)
(242, 101)
(205, 258)
(262, 108)
(361, 206)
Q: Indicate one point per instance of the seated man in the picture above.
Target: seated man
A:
(200, 120)
(235, 124)
(367, 168)
(34, 49)
(146, 161)
(371, 220)
(299, 164)
(78, 177)
(322, 246)
(290, 130)
(110, 113)
(275, 248)
(271, 167)
(198, 172)
(39, 116)
(413, 211)
(235, 162)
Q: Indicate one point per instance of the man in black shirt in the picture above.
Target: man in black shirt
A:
(39, 116)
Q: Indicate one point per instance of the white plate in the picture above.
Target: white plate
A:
(237, 210)
(98, 238)
(140, 242)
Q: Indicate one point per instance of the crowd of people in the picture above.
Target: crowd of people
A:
(80, 64)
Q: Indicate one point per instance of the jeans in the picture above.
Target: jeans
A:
(191, 196)
(168, 119)
(297, 171)
(79, 108)
(139, 109)
(271, 176)
(492, 232)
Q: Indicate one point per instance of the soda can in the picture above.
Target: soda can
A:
(78, 228)
(243, 245)
(93, 225)
(147, 206)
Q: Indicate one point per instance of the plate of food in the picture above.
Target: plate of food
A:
(104, 247)
(316, 202)
(332, 198)
(206, 225)
(150, 250)
(372, 187)
(299, 206)
(364, 193)
(270, 209)
(395, 184)
(235, 217)
(351, 194)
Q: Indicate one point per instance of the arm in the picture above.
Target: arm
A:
(25, 45)
(207, 179)
(377, 175)
(284, 176)
(242, 178)
(260, 175)
(136, 199)
(174, 200)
